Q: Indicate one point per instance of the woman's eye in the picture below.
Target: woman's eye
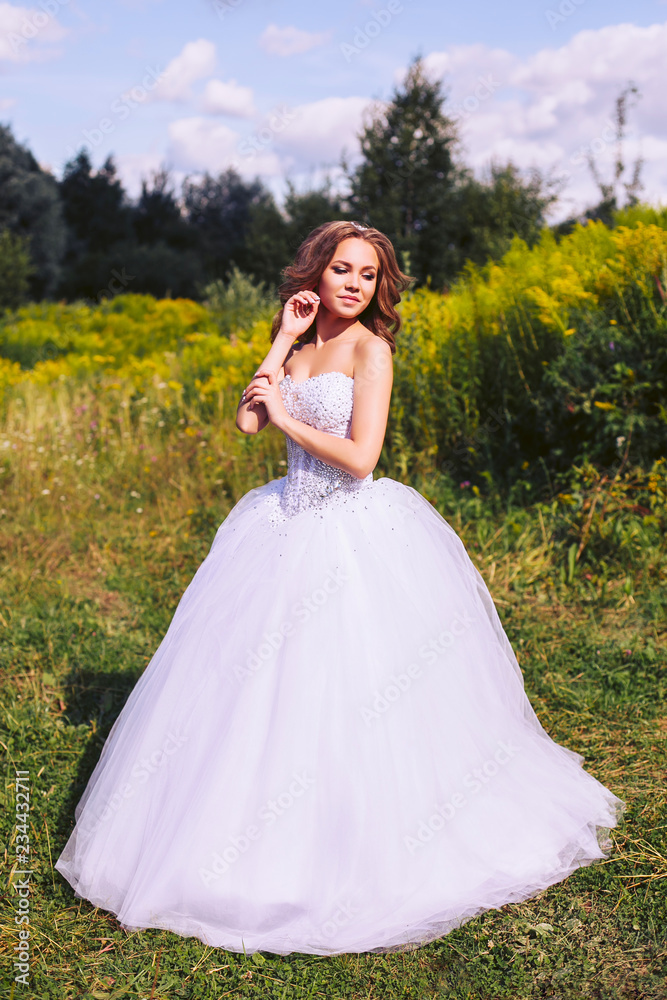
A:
(343, 270)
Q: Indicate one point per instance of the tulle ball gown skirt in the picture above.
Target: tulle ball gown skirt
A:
(331, 750)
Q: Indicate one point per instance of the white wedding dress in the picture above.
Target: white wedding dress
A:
(331, 749)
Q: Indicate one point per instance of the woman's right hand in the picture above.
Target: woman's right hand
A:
(246, 398)
(299, 312)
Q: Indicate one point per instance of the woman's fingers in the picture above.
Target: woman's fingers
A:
(248, 392)
(308, 300)
(268, 375)
(256, 391)
(299, 312)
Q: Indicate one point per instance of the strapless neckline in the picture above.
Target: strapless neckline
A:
(311, 377)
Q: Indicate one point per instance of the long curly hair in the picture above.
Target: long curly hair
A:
(313, 256)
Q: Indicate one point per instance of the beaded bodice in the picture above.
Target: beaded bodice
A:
(325, 402)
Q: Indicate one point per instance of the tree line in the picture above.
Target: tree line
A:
(83, 237)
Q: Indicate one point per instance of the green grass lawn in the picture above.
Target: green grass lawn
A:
(88, 585)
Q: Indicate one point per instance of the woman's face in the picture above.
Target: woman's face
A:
(349, 280)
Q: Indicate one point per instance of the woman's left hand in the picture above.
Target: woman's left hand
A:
(268, 392)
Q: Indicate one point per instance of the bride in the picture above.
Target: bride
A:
(331, 750)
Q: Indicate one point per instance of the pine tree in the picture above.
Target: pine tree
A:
(405, 184)
(219, 210)
(97, 210)
(99, 227)
(158, 216)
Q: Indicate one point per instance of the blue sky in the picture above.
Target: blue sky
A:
(279, 89)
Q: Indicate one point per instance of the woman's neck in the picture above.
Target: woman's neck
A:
(329, 327)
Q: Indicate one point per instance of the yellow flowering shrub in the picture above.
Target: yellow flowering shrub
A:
(555, 351)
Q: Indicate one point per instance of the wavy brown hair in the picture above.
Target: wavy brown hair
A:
(313, 256)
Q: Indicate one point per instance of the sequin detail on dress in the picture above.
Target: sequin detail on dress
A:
(325, 402)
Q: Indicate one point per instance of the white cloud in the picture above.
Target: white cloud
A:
(195, 61)
(6, 103)
(463, 65)
(290, 41)
(606, 55)
(549, 109)
(320, 130)
(24, 29)
(200, 144)
(229, 98)
(285, 139)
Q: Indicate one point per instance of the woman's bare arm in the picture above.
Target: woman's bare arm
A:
(251, 416)
(298, 314)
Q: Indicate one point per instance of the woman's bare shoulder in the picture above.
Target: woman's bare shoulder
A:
(370, 345)
(372, 356)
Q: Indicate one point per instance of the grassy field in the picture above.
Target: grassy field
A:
(104, 518)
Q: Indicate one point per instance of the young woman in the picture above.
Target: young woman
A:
(331, 750)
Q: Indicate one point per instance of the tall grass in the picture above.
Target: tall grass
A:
(101, 529)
